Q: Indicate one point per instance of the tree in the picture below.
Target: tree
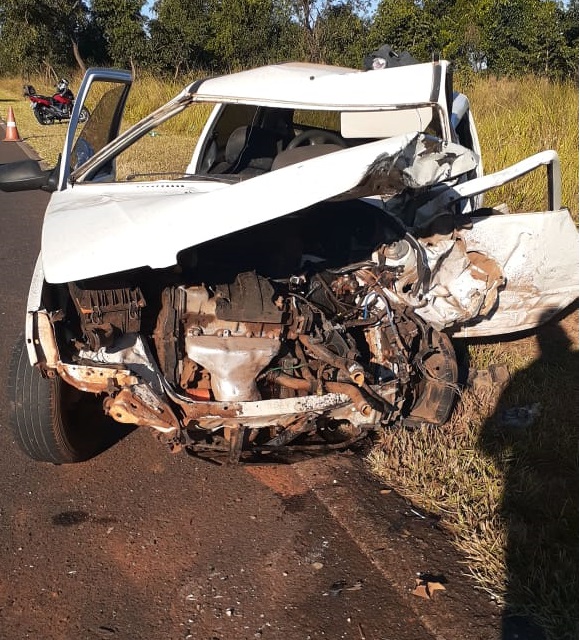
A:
(69, 24)
(402, 24)
(42, 33)
(565, 58)
(19, 35)
(505, 36)
(316, 19)
(179, 35)
(532, 36)
(343, 38)
(460, 33)
(244, 32)
(122, 25)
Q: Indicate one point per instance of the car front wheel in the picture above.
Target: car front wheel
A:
(52, 421)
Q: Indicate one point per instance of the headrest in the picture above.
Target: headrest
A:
(235, 144)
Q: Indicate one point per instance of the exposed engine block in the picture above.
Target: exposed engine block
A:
(232, 333)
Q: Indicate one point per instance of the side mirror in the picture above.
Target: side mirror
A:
(26, 175)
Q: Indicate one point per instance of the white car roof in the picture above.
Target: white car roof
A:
(312, 86)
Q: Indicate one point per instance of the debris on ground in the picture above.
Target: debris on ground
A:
(519, 417)
(488, 384)
(427, 585)
(337, 587)
(341, 585)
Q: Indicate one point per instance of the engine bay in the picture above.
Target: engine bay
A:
(291, 334)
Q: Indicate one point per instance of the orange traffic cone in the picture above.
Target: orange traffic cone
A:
(12, 134)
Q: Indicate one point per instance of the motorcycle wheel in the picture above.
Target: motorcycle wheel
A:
(84, 115)
(42, 117)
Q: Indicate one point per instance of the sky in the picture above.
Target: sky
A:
(147, 9)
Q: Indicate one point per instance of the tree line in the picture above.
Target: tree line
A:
(503, 37)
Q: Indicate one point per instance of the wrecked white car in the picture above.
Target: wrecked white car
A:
(295, 286)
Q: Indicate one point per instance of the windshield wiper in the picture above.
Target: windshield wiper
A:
(186, 176)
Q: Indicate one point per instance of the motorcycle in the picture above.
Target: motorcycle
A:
(58, 107)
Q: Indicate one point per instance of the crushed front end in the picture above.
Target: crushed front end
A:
(304, 334)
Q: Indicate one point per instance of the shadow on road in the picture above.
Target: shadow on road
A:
(532, 438)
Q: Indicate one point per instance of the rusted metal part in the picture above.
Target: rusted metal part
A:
(305, 369)
(357, 398)
(205, 324)
(302, 425)
(140, 406)
(95, 379)
(261, 413)
(242, 309)
(46, 339)
(194, 410)
(165, 335)
(351, 368)
(355, 395)
(236, 440)
(298, 384)
(103, 312)
(382, 351)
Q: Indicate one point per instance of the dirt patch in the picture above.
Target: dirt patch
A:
(279, 478)
(405, 544)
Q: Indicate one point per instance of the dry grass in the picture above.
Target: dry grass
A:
(443, 471)
(46, 141)
(509, 497)
(173, 145)
(517, 118)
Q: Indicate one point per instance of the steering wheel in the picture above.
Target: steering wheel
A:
(316, 136)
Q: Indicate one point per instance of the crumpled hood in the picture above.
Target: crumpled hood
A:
(97, 229)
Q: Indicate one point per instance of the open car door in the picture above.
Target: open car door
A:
(104, 93)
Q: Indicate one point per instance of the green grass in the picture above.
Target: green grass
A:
(508, 498)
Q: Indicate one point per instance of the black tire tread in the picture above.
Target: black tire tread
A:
(37, 413)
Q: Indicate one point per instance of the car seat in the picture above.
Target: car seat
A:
(249, 151)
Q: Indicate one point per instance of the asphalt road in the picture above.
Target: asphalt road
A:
(142, 544)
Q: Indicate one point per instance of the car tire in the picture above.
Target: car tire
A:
(52, 421)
